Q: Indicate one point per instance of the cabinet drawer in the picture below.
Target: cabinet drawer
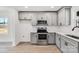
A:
(74, 43)
(67, 47)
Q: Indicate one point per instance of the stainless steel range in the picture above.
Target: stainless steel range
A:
(42, 35)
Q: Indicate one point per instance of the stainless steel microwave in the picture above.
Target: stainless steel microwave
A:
(41, 22)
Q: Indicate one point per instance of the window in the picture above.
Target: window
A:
(3, 20)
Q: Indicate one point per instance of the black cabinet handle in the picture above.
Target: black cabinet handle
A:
(59, 38)
(66, 43)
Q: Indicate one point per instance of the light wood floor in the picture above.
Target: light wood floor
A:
(28, 48)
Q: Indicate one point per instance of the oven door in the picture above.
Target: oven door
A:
(42, 36)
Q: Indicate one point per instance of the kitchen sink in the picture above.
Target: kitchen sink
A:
(73, 36)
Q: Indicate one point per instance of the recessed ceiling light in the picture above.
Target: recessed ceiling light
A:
(52, 6)
(26, 6)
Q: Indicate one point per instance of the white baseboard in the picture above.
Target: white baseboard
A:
(16, 43)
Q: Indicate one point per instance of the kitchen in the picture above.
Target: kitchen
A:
(41, 26)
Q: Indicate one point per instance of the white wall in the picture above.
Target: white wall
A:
(17, 28)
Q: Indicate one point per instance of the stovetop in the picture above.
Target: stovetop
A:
(42, 31)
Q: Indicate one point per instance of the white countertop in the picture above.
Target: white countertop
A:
(64, 34)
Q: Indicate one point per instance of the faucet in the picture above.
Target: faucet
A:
(75, 27)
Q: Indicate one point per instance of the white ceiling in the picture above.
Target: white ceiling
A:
(36, 8)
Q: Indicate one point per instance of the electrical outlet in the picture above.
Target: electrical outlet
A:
(23, 36)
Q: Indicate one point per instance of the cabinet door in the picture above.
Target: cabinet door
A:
(25, 15)
(72, 48)
(41, 16)
(68, 46)
(64, 45)
(51, 39)
(58, 41)
(34, 19)
(61, 17)
(53, 19)
(72, 45)
(67, 16)
(64, 16)
(34, 38)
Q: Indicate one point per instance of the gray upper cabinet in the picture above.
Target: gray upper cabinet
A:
(25, 15)
(33, 16)
(53, 19)
(64, 16)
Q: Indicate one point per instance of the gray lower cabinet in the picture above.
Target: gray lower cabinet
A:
(51, 38)
(68, 45)
(58, 40)
(34, 38)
